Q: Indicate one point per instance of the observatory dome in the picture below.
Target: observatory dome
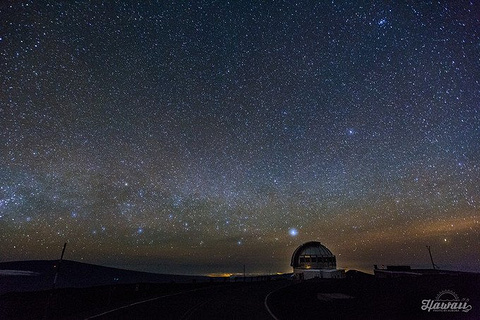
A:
(313, 255)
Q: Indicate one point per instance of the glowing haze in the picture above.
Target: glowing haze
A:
(198, 137)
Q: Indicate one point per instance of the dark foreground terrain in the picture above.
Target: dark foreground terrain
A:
(145, 301)
(359, 296)
(374, 298)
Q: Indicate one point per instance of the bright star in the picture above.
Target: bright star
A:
(293, 232)
(351, 131)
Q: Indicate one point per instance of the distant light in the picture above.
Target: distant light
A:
(293, 232)
(445, 239)
(351, 131)
(140, 230)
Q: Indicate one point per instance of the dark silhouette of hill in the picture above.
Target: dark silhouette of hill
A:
(37, 275)
(355, 274)
(84, 289)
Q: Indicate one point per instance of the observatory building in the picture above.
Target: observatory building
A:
(314, 260)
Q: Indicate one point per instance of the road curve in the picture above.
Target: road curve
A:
(229, 301)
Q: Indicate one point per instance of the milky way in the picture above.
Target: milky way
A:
(198, 137)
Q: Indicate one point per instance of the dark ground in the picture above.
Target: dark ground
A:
(196, 301)
(359, 296)
(375, 298)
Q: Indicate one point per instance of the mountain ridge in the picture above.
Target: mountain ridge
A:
(36, 275)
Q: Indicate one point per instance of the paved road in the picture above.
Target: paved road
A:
(231, 301)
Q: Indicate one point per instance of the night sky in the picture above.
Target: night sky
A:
(198, 137)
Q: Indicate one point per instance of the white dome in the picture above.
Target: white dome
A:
(313, 255)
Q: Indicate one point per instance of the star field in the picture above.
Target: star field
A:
(197, 137)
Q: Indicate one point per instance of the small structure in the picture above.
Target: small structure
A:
(314, 260)
(408, 272)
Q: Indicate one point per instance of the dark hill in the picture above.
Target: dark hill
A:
(36, 275)
(355, 274)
